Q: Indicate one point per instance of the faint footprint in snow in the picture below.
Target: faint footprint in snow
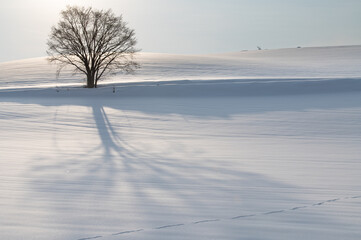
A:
(244, 216)
(296, 208)
(126, 232)
(357, 197)
(89, 238)
(273, 212)
(170, 226)
(319, 204)
(233, 218)
(207, 221)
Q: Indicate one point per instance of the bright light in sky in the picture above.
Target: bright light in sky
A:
(193, 26)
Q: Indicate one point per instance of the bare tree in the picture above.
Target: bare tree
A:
(93, 42)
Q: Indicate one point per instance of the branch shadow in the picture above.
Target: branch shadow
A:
(115, 185)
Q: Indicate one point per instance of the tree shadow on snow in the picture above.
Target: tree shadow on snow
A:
(116, 185)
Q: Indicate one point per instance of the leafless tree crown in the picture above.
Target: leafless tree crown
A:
(94, 42)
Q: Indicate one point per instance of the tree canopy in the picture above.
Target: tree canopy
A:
(93, 42)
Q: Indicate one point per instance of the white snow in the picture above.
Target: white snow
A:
(311, 63)
(249, 145)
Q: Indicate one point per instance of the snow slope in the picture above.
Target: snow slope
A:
(249, 145)
(323, 62)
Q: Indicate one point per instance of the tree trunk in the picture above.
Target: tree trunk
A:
(96, 83)
(90, 81)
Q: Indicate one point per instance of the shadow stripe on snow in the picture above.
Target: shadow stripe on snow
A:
(200, 88)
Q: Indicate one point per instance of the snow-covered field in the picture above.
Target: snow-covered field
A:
(249, 145)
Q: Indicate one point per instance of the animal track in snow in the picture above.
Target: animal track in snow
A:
(169, 226)
(90, 238)
(207, 221)
(127, 232)
(244, 216)
(232, 218)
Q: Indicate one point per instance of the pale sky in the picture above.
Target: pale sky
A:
(192, 26)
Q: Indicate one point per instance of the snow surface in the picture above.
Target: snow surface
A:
(249, 145)
(310, 63)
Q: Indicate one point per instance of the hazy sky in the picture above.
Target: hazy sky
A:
(192, 26)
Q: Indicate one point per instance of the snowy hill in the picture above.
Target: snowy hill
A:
(251, 145)
(310, 63)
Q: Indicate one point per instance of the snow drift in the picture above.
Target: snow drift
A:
(249, 145)
(281, 64)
